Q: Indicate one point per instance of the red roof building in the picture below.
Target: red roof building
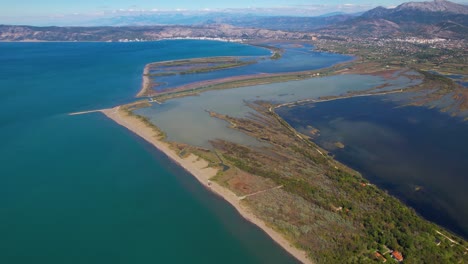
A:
(397, 255)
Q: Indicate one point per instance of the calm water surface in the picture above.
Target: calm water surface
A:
(187, 120)
(418, 154)
(294, 58)
(82, 189)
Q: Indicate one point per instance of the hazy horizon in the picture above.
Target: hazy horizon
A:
(90, 13)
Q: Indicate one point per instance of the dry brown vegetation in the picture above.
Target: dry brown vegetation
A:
(322, 206)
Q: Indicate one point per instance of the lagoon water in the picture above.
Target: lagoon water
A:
(418, 154)
(187, 120)
(294, 58)
(81, 189)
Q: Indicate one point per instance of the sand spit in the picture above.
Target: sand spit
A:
(200, 170)
(146, 83)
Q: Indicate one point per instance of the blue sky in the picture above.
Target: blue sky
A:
(51, 7)
(37, 10)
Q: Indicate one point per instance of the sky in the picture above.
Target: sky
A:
(44, 10)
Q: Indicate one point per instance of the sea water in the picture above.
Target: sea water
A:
(82, 189)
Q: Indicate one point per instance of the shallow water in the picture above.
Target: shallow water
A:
(187, 120)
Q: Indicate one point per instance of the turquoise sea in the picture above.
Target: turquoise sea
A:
(82, 189)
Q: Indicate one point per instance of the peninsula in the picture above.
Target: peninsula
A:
(313, 135)
(318, 209)
(200, 169)
(292, 189)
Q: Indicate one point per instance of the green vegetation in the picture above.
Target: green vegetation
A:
(218, 67)
(449, 57)
(276, 56)
(438, 78)
(277, 53)
(160, 74)
(251, 81)
(323, 207)
(328, 209)
(402, 54)
(198, 69)
(436, 88)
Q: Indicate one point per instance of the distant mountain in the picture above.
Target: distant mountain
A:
(153, 19)
(141, 33)
(435, 6)
(438, 18)
(332, 14)
(287, 23)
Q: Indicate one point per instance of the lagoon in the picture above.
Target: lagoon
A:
(187, 119)
(294, 58)
(417, 154)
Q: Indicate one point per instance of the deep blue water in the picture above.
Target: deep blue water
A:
(81, 189)
(420, 155)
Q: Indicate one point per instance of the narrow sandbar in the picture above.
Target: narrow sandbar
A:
(202, 172)
(146, 83)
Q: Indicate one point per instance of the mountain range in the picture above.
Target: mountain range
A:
(434, 19)
(439, 18)
(272, 22)
(141, 33)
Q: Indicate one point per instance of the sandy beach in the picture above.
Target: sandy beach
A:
(200, 170)
(146, 83)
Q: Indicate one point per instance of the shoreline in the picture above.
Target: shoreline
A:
(147, 87)
(146, 82)
(200, 170)
(118, 41)
(259, 78)
(147, 90)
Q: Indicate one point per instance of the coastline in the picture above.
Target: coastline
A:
(200, 170)
(146, 89)
(236, 81)
(146, 82)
